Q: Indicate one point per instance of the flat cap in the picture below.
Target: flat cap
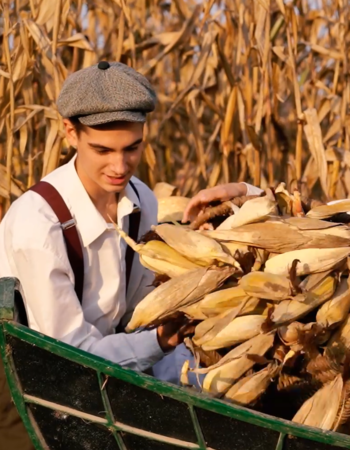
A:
(106, 92)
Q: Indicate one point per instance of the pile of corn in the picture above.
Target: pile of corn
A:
(270, 289)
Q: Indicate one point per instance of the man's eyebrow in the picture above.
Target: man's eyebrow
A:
(102, 147)
(99, 146)
(137, 142)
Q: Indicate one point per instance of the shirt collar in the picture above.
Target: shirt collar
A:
(89, 221)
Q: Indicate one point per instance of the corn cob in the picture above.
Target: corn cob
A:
(341, 335)
(237, 362)
(162, 190)
(159, 256)
(247, 390)
(327, 211)
(237, 331)
(337, 309)
(252, 211)
(290, 310)
(276, 237)
(251, 306)
(266, 285)
(176, 293)
(311, 260)
(171, 209)
(321, 409)
(194, 246)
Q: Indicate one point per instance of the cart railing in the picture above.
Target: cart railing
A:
(71, 399)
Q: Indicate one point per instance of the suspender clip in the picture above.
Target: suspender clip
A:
(69, 224)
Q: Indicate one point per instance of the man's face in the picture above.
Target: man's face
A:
(107, 156)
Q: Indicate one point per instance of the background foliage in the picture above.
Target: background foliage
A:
(248, 90)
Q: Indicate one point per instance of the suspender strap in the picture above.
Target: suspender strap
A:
(71, 237)
(134, 225)
(70, 233)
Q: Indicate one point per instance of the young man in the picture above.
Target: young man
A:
(104, 109)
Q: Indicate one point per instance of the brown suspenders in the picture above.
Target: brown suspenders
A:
(71, 237)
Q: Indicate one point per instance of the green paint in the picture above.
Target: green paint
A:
(16, 392)
(280, 443)
(198, 430)
(108, 411)
(7, 290)
(181, 394)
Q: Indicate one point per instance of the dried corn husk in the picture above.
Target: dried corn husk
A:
(252, 211)
(233, 365)
(229, 297)
(289, 334)
(248, 390)
(342, 335)
(337, 309)
(178, 292)
(194, 246)
(311, 260)
(232, 247)
(159, 257)
(276, 237)
(327, 211)
(308, 224)
(321, 409)
(261, 256)
(252, 305)
(163, 190)
(291, 310)
(211, 326)
(237, 331)
(266, 285)
(171, 209)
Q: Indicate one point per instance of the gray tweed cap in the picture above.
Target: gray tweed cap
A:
(106, 92)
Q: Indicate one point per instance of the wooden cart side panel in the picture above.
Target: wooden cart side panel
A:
(217, 425)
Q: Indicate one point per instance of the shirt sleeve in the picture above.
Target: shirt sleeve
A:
(54, 309)
(253, 190)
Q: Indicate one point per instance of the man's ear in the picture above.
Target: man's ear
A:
(71, 133)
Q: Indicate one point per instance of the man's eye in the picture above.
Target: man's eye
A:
(102, 150)
(132, 149)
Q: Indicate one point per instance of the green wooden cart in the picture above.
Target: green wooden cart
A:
(72, 400)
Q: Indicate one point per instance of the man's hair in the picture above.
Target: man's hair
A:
(79, 127)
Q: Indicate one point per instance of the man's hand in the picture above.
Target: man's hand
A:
(203, 198)
(174, 331)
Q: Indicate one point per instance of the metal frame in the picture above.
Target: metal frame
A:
(104, 368)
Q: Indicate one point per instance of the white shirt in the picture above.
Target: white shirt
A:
(32, 249)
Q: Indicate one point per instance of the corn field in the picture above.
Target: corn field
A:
(254, 90)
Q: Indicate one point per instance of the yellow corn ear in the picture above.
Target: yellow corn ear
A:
(239, 330)
(248, 390)
(171, 209)
(255, 210)
(311, 260)
(176, 293)
(233, 365)
(291, 310)
(321, 409)
(159, 256)
(337, 309)
(194, 246)
(266, 285)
